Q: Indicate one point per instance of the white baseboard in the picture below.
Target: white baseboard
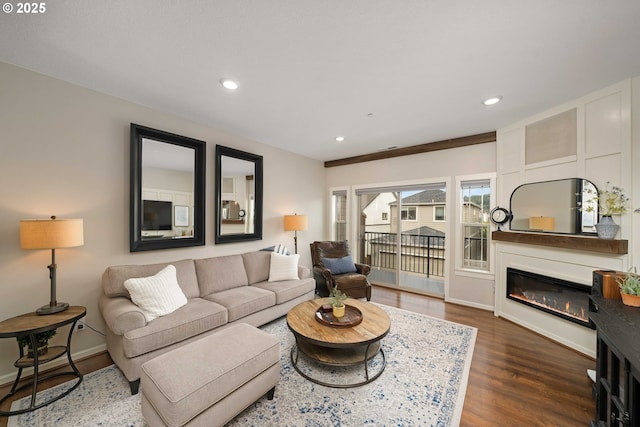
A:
(61, 361)
(469, 304)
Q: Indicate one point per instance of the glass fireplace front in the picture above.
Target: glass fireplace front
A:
(561, 298)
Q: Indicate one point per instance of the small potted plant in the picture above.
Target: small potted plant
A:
(337, 299)
(42, 342)
(630, 288)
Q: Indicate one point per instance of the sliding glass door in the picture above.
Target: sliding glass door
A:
(377, 239)
(401, 234)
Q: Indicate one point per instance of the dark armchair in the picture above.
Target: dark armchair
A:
(350, 277)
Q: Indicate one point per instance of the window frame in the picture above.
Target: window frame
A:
(406, 209)
(335, 192)
(460, 227)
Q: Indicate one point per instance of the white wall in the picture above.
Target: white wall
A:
(64, 151)
(605, 147)
(437, 166)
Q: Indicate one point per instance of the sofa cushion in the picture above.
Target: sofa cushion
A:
(279, 248)
(256, 264)
(156, 295)
(192, 319)
(288, 289)
(243, 301)
(339, 265)
(114, 277)
(220, 273)
(283, 267)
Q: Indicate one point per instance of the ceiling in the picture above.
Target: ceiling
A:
(379, 72)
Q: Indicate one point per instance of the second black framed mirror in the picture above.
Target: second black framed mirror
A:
(238, 214)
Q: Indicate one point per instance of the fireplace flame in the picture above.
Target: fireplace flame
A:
(551, 304)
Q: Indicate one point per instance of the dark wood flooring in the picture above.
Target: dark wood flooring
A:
(517, 378)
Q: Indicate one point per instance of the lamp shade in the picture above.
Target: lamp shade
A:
(51, 233)
(295, 222)
(544, 223)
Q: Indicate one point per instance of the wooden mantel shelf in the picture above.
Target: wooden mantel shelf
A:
(568, 241)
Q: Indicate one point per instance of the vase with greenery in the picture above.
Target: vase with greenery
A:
(337, 299)
(42, 342)
(630, 288)
(610, 201)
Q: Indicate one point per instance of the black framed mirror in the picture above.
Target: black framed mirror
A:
(167, 190)
(238, 195)
(562, 206)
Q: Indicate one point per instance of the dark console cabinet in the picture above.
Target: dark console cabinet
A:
(617, 388)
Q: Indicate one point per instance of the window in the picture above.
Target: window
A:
(475, 205)
(408, 213)
(339, 215)
(438, 213)
(385, 216)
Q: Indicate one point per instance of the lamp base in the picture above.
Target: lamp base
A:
(50, 309)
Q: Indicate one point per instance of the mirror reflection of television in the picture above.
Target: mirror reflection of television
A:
(156, 215)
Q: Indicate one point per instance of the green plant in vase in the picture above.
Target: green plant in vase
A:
(42, 342)
(630, 288)
(610, 201)
(337, 299)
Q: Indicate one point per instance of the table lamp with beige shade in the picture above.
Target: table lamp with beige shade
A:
(51, 234)
(543, 223)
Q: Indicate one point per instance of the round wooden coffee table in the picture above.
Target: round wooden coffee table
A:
(338, 346)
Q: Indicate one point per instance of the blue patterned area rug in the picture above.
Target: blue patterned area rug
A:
(424, 384)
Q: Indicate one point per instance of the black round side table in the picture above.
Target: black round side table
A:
(30, 325)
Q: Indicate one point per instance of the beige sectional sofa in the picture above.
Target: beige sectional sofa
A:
(220, 291)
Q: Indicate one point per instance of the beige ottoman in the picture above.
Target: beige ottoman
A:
(210, 381)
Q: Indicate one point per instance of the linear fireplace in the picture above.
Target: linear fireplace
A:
(561, 298)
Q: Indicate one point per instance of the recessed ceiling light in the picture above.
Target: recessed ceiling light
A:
(339, 138)
(492, 101)
(229, 84)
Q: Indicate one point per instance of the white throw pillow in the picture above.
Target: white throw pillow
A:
(157, 295)
(283, 267)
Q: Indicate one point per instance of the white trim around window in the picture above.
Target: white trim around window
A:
(459, 226)
(341, 192)
(409, 213)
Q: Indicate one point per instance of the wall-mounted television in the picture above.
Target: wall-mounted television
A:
(156, 215)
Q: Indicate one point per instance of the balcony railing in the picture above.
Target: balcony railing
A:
(475, 253)
(420, 254)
